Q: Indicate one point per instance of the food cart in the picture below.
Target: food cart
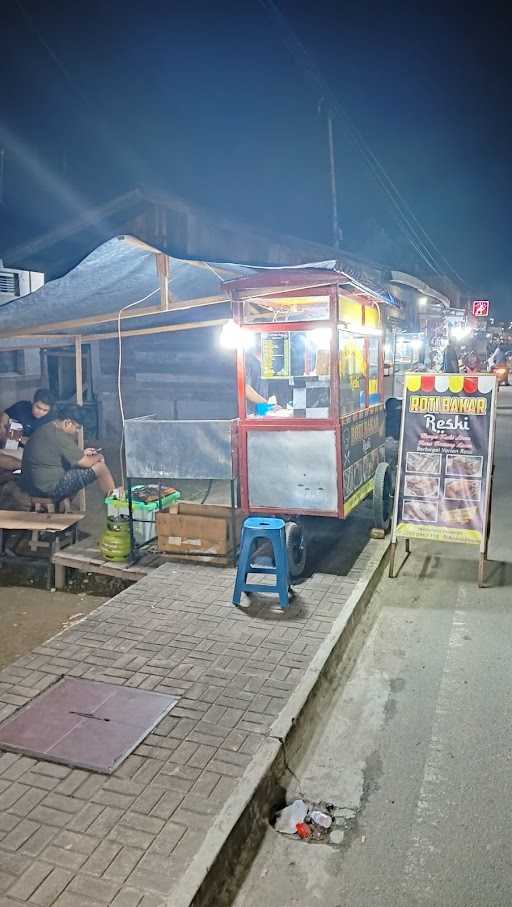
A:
(310, 399)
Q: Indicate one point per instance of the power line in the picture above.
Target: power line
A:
(413, 217)
(295, 45)
(407, 221)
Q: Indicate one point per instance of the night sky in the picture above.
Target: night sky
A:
(206, 100)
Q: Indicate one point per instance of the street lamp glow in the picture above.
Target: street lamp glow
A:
(460, 332)
(422, 300)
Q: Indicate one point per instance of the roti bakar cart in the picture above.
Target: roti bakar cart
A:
(310, 399)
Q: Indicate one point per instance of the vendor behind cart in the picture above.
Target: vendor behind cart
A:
(256, 389)
(304, 359)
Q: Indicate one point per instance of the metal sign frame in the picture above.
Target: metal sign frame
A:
(489, 472)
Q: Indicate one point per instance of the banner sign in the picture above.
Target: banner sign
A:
(445, 459)
(363, 437)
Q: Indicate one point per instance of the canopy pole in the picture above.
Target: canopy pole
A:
(161, 329)
(162, 267)
(103, 319)
(80, 400)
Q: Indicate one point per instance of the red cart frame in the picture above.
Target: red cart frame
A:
(281, 285)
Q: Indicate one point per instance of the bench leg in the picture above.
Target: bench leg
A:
(60, 576)
(59, 571)
(49, 577)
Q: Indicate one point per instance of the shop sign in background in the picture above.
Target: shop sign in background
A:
(444, 468)
(480, 308)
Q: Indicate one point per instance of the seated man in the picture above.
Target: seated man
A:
(31, 415)
(53, 465)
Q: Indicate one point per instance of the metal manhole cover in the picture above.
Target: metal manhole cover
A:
(85, 723)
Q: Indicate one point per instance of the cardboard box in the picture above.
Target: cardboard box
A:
(200, 529)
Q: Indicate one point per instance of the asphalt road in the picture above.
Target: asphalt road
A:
(418, 740)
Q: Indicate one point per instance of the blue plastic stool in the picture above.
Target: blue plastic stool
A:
(255, 528)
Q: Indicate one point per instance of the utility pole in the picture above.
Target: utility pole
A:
(334, 199)
(335, 226)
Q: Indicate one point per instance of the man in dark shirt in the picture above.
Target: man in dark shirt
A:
(54, 466)
(499, 356)
(32, 415)
(450, 359)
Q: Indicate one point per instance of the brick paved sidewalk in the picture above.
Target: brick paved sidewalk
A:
(74, 838)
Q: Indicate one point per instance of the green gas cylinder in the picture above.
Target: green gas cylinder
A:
(114, 542)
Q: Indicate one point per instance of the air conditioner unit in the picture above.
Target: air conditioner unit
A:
(15, 283)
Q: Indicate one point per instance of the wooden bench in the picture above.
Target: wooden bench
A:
(61, 529)
(86, 557)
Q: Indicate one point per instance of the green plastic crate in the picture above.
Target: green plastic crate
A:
(143, 514)
(121, 506)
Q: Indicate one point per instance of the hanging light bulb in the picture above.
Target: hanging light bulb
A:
(232, 336)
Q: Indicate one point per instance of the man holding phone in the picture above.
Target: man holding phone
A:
(54, 466)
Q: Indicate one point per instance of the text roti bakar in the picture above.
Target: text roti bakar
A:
(445, 458)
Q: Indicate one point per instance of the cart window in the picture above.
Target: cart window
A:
(352, 372)
(371, 317)
(350, 311)
(374, 388)
(285, 309)
(287, 373)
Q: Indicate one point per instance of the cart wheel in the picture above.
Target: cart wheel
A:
(382, 496)
(296, 549)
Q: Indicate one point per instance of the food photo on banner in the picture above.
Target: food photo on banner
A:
(445, 459)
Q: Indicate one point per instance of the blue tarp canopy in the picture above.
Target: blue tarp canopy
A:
(118, 273)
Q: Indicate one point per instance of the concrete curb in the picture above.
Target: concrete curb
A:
(192, 888)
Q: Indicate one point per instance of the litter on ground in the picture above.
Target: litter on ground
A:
(323, 822)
